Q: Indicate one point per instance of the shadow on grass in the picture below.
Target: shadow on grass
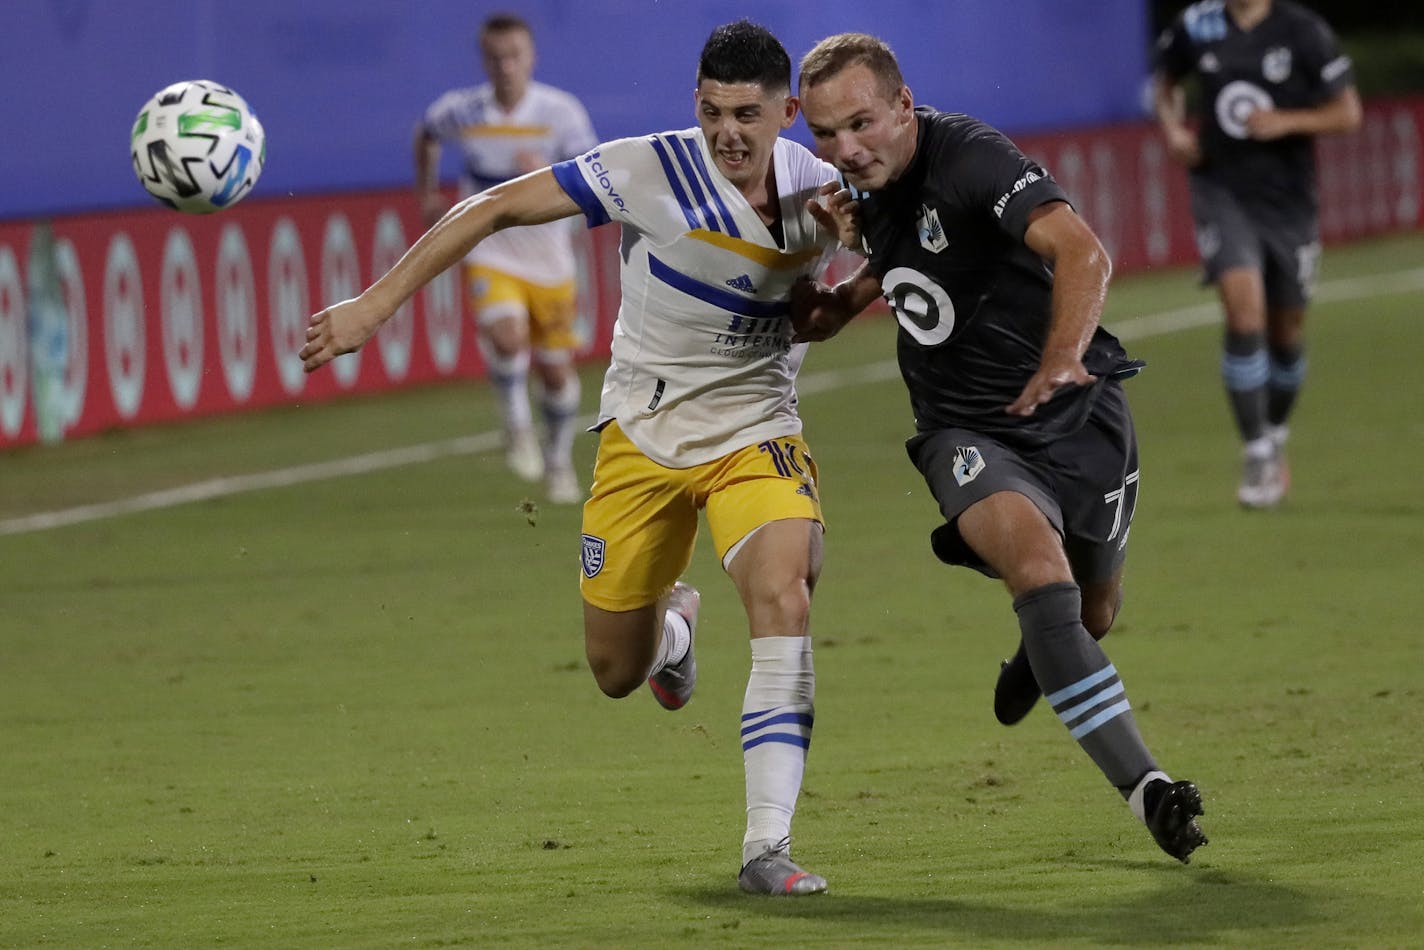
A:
(1185, 908)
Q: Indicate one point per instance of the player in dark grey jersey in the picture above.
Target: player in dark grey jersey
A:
(1271, 77)
(1023, 432)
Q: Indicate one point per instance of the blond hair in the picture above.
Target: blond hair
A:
(834, 54)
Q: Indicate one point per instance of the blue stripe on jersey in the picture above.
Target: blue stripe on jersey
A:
(672, 178)
(716, 296)
(716, 196)
(679, 150)
(571, 180)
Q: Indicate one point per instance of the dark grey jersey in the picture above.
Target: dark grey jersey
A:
(972, 300)
(1290, 60)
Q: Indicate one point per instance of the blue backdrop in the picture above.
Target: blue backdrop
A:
(339, 84)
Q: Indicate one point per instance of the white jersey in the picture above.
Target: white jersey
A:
(548, 125)
(702, 361)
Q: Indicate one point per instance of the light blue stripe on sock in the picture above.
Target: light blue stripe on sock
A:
(1087, 682)
(1068, 715)
(1112, 712)
(1288, 375)
(1245, 372)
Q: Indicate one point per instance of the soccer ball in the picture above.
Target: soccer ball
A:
(197, 147)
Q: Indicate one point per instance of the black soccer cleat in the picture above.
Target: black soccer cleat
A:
(1171, 811)
(1016, 690)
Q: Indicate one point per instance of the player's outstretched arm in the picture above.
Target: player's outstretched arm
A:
(532, 199)
(1081, 269)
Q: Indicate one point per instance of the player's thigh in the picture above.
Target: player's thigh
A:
(500, 302)
(962, 469)
(639, 527)
(1097, 471)
(775, 571)
(1292, 252)
(770, 481)
(1225, 234)
(553, 311)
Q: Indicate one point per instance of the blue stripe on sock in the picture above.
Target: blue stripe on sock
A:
(1287, 375)
(1087, 682)
(799, 718)
(1245, 372)
(790, 738)
(1112, 712)
(1101, 696)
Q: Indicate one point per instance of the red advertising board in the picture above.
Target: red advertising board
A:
(150, 316)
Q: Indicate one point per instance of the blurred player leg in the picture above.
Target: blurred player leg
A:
(1245, 369)
(551, 329)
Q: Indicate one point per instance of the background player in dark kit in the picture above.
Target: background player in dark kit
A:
(1024, 435)
(1271, 77)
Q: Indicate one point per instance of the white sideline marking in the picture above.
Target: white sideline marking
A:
(1137, 328)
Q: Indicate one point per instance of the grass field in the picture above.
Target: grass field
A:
(354, 712)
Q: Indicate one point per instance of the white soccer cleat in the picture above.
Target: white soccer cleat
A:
(672, 686)
(1263, 475)
(523, 454)
(562, 486)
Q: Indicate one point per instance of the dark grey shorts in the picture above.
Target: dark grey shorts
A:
(1283, 244)
(1084, 483)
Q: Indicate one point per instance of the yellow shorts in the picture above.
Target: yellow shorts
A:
(640, 522)
(552, 308)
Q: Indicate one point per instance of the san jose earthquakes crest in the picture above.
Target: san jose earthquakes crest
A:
(591, 555)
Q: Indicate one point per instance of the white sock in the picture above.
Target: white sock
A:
(510, 377)
(677, 637)
(560, 409)
(777, 714)
(1135, 800)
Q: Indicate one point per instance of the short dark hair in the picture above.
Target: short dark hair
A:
(844, 50)
(504, 23)
(745, 52)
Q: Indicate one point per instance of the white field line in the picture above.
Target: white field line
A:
(1156, 324)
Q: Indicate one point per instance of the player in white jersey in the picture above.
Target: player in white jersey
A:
(521, 282)
(698, 408)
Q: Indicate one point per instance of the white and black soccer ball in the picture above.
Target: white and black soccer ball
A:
(197, 147)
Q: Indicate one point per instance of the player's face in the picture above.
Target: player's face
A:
(741, 122)
(508, 57)
(859, 129)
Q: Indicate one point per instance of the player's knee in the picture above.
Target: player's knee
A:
(614, 675)
(783, 611)
(1100, 612)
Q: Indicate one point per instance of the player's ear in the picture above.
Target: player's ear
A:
(905, 102)
(793, 108)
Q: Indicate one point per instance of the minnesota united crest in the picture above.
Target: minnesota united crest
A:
(591, 555)
(931, 231)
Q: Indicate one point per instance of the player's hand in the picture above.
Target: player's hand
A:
(835, 210)
(1047, 382)
(338, 329)
(1267, 125)
(1184, 146)
(816, 312)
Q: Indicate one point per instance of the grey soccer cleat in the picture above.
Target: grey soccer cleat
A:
(1263, 479)
(1016, 690)
(672, 686)
(774, 873)
(1171, 810)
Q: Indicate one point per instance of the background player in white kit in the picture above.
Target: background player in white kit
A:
(698, 408)
(521, 282)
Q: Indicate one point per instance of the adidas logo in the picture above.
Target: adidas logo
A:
(742, 283)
